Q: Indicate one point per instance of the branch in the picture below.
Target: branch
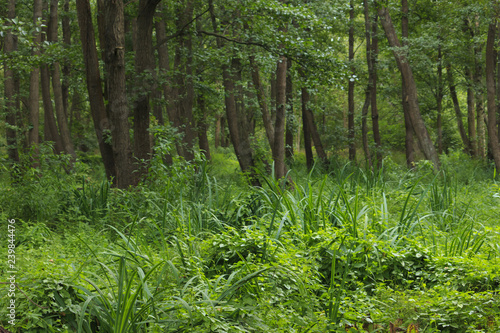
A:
(181, 31)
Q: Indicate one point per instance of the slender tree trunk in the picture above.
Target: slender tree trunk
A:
(411, 89)
(478, 96)
(491, 93)
(62, 120)
(10, 89)
(374, 107)
(144, 66)
(409, 140)
(290, 118)
(118, 109)
(350, 114)
(50, 127)
(279, 125)
(66, 70)
(368, 90)
(439, 100)
(217, 131)
(305, 125)
(93, 78)
(261, 98)
(458, 112)
(34, 94)
(471, 115)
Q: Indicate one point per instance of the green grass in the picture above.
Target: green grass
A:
(195, 249)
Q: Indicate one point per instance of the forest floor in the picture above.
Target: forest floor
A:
(195, 249)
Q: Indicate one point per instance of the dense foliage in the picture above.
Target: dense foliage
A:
(195, 249)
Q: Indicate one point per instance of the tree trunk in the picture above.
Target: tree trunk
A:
(34, 94)
(411, 89)
(491, 93)
(374, 108)
(144, 66)
(66, 70)
(290, 118)
(279, 125)
(10, 89)
(478, 96)
(62, 120)
(368, 90)
(50, 127)
(351, 134)
(93, 78)
(458, 112)
(471, 115)
(305, 125)
(118, 109)
(439, 100)
(409, 140)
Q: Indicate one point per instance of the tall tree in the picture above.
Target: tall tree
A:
(93, 79)
(279, 125)
(350, 114)
(411, 88)
(62, 119)
(491, 91)
(34, 95)
(10, 89)
(290, 118)
(144, 67)
(374, 106)
(409, 142)
(458, 111)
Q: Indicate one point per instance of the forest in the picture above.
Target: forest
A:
(250, 166)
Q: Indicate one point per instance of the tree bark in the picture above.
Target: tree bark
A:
(34, 94)
(471, 115)
(306, 128)
(93, 79)
(290, 118)
(409, 140)
(439, 100)
(374, 106)
(350, 114)
(491, 94)
(458, 112)
(10, 89)
(144, 66)
(411, 89)
(279, 125)
(66, 70)
(368, 90)
(62, 120)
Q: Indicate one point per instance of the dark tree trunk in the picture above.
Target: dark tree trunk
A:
(305, 125)
(439, 101)
(411, 89)
(471, 115)
(350, 114)
(279, 125)
(10, 89)
(374, 107)
(62, 119)
(144, 66)
(217, 131)
(478, 96)
(66, 70)
(491, 93)
(290, 118)
(34, 95)
(93, 78)
(183, 92)
(368, 90)
(458, 112)
(50, 127)
(409, 140)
